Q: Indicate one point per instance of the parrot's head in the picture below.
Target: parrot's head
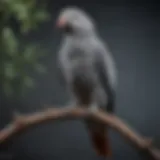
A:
(75, 21)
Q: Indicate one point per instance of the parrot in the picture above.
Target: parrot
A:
(87, 70)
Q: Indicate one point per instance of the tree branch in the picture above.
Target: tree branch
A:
(23, 122)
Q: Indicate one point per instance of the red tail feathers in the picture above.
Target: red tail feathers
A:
(101, 143)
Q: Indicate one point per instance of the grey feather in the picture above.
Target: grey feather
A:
(86, 64)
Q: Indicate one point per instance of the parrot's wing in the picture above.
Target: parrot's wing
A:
(105, 66)
(61, 63)
(106, 71)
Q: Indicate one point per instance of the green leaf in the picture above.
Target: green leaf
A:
(30, 53)
(26, 26)
(17, 59)
(10, 41)
(20, 10)
(28, 81)
(41, 15)
(9, 71)
(30, 4)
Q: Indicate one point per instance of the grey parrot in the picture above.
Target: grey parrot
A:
(88, 71)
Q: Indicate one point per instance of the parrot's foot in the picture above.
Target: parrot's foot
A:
(93, 108)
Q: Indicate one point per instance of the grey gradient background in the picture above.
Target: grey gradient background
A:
(131, 29)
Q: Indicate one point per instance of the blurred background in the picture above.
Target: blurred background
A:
(28, 45)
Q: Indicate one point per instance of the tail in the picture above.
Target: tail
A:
(100, 141)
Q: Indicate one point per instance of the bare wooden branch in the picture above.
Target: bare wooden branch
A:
(22, 122)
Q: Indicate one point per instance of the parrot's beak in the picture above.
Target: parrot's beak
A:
(61, 23)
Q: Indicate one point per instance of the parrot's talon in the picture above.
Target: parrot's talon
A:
(93, 108)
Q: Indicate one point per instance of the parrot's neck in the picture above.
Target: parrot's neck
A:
(82, 35)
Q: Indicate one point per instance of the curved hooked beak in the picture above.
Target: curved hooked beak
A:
(61, 23)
